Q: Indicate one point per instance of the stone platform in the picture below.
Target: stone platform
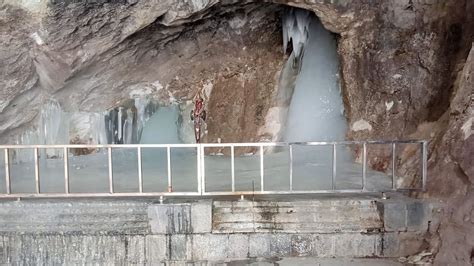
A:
(145, 232)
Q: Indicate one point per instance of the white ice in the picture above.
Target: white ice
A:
(295, 29)
(316, 109)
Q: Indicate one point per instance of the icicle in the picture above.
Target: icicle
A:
(295, 29)
(103, 128)
(128, 128)
(119, 127)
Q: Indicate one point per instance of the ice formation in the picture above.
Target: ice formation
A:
(53, 129)
(54, 126)
(124, 125)
(316, 108)
(162, 128)
(295, 30)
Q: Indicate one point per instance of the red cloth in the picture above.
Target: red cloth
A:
(198, 106)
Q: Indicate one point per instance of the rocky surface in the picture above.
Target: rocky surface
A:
(452, 161)
(404, 67)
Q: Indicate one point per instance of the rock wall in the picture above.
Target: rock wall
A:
(92, 57)
(404, 67)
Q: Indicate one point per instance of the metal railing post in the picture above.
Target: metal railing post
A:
(291, 167)
(364, 165)
(168, 160)
(7, 172)
(66, 170)
(334, 166)
(424, 170)
(261, 169)
(393, 166)
(203, 169)
(198, 169)
(140, 172)
(37, 174)
(232, 166)
(111, 175)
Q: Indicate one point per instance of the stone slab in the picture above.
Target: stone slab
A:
(170, 218)
(325, 216)
(201, 216)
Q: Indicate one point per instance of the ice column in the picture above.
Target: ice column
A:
(316, 109)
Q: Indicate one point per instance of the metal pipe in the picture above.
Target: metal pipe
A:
(66, 170)
(111, 174)
(393, 166)
(140, 172)
(203, 169)
(264, 144)
(261, 169)
(168, 159)
(334, 166)
(37, 175)
(7, 172)
(424, 170)
(291, 167)
(178, 194)
(198, 169)
(232, 166)
(364, 165)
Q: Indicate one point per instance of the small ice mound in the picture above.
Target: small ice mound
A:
(162, 127)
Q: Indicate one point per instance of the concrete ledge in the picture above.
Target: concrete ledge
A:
(71, 249)
(86, 217)
(409, 215)
(323, 216)
(141, 232)
(155, 249)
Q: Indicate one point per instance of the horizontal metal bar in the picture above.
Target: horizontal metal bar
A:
(99, 146)
(260, 144)
(287, 192)
(185, 194)
(96, 195)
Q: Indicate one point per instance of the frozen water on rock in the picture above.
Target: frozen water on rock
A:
(162, 128)
(316, 109)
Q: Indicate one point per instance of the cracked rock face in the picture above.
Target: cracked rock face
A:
(405, 71)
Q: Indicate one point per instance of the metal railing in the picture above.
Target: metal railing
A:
(200, 168)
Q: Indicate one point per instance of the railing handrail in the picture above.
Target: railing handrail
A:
(194, 145)
(200, 170)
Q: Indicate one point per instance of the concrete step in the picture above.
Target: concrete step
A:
(86, 217)
(144, 232)
(324, 216)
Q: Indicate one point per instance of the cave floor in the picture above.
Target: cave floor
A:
(312, 170)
